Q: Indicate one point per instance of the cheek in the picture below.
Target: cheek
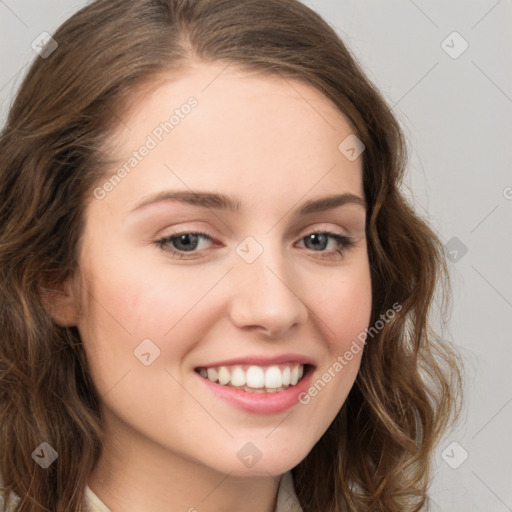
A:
(344, 309)
(343, 313)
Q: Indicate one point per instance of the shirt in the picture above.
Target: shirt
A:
(286, 498)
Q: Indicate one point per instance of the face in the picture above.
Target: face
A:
(215, 257)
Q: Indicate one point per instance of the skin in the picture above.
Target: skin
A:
(272, 144)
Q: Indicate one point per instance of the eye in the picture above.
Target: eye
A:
(319, 241)
(181, 243)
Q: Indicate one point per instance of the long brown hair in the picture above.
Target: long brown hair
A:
(376, 455)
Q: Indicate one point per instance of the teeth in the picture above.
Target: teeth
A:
(286, 376)
(224, 375)
(256, 379)
(238, 377)
(213, 375)
(273, 378)
(294, 378)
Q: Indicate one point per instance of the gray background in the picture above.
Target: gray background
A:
(456, 113)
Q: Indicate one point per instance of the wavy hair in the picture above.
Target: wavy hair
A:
(376, 455)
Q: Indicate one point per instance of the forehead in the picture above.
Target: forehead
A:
(246, 131)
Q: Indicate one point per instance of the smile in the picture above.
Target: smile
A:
(254, 378)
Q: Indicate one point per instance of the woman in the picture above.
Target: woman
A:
(214, 294)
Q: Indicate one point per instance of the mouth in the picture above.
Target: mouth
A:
(252, 378)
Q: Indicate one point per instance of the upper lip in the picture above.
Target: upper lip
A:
(260, 360)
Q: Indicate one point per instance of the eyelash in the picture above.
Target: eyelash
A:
(344, 243)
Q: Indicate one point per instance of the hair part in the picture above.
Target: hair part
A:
(376, 455)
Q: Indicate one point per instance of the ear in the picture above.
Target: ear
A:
(60, 301)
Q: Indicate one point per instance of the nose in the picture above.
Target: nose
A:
(264, 296)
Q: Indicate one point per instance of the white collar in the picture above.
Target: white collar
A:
(286, 498)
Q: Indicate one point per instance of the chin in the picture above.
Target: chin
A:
(261, 457)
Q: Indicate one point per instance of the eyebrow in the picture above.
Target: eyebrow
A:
(223, 202)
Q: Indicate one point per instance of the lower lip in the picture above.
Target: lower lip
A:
(261, 403)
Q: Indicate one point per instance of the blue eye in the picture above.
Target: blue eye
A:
(190, 244)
